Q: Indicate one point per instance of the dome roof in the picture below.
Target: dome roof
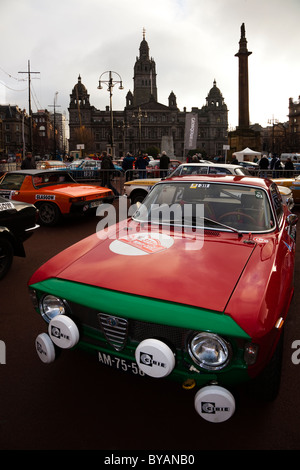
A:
(214, 92)
(79, 88)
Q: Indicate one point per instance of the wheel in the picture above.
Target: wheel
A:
(139, 196)
(236, 216)
(6, 256)
(49, 214)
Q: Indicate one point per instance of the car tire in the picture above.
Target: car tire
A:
(49, 214)
(267, 384)
(6, 256)
(138, 196)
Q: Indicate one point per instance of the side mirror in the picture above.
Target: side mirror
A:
(292, 219)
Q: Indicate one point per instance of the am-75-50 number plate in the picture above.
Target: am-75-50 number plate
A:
(119, 363)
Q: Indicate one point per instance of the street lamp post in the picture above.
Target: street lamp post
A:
(139, 116)
(123, 125)
(110, 82)
(54, 122)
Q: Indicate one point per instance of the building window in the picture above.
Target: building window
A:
(42, 131)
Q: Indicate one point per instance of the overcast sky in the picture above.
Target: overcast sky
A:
(193, 43)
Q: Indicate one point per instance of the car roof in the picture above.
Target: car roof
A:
(245, 180)
(222, 165)
(34, 172)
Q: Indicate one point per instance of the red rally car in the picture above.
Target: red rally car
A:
(216, 259)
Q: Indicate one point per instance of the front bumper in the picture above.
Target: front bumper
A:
(105, 313)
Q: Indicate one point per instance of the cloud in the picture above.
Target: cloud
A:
(192, 42)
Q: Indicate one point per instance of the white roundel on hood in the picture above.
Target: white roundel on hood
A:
(141, 243)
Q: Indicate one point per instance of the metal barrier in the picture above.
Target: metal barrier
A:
(9, 166)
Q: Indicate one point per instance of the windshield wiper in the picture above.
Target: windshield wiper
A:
(193, 219)
(219, 224)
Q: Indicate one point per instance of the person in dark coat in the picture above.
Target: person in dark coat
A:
(28, 163)
(164, 164)
(107, 169)
(141, 164)
(127, 165)
(289, 166)
(275, 166)
(263, 166)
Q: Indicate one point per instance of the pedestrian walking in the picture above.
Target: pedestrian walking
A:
(289, 168)
(275, 166)
(107, 170)
(263, 167)
(127, 165)
(141, 165)
(164, 164)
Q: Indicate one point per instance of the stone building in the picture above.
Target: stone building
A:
(14, 130)
(144, 123)
(294, 125)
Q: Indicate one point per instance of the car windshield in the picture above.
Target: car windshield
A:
(76, 164)
(51, 178)
(219, 206)
(202, 169)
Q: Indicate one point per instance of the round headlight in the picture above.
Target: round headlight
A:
(209, 351)
(50, 306)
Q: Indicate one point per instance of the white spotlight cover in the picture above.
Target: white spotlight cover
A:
(155, 358)
(45, 348)
(214, 403)
(63, 332)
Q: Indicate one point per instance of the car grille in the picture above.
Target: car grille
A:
(118, 331)
(115, 330)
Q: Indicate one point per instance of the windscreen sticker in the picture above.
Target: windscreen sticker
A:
(45, 197)
(260, 240)
(141, 244)
(199, 185)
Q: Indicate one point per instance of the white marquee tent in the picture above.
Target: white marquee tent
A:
(246, 155)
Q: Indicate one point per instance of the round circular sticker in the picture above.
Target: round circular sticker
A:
(141, 243)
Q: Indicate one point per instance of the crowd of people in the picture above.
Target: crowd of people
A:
(130, 163)
(275, 165)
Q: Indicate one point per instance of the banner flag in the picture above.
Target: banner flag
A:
(191, 131)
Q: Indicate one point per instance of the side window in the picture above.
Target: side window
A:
(218, 170)
(12, 181)
(277, 201)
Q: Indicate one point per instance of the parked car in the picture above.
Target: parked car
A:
(210, 252)
(138, 189)
(153, 167)
(293, 184)
(252, 167)
(18, 220)
(50, 164)
(54, 193)
(85, 169)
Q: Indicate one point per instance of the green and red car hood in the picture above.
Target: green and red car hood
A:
(224, 275)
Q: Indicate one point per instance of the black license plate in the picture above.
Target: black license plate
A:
(119, 363)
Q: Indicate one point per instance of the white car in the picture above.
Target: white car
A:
(136, 190)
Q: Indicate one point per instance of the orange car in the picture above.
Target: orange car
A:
(53, 192)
